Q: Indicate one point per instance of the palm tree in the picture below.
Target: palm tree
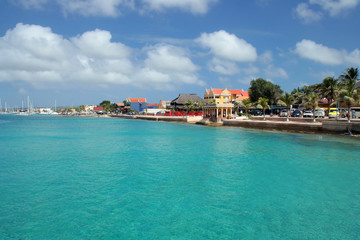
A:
(189, 106)
(246, 104)
(311, 101)
(198, 105)
(329, 89)
(236, 107)
(349, 98)
(349, 95)
(349, 78)
(263, 103)
(287, 99)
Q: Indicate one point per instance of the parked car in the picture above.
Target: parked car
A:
(255, 112)
(296, 113)
(319, 113)
(333, 113)
(308, 113)
(344, 113)
(283, 113)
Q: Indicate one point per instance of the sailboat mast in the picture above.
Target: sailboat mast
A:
(28, 104)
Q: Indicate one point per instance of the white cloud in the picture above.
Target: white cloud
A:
(36, 55)
(193, 6)
(168, 64)
(275, 72)
(228, 46)
(266, 57)
(113, 8)
(223, 66)
(334, 7)
(97, 44)
(331, 7)
(170, 59)
(109, 8)
(329, 56)
(306, 14)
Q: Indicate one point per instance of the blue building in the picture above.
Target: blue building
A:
(137, 104)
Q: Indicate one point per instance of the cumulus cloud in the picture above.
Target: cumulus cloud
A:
(169, 65)
(329, 56)
(228, 46)
(331, 7)
(97, 44)
(36, 55)
(193, 6)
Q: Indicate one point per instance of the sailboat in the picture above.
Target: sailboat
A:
(29, 109)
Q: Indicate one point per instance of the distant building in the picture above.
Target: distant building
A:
(179, 103)
(99, 110)
(137, 104)
(89, 108)
(165, 104)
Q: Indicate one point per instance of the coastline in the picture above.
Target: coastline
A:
(336, 127)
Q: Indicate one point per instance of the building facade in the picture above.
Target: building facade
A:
(220, 103)
(137, 104)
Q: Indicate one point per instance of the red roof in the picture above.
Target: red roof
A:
(217, 91)
(98, 109)
(136, 100)
(120, 104)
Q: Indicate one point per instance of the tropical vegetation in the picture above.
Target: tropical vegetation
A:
(338, 91)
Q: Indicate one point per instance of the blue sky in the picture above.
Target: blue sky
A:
(84, 51)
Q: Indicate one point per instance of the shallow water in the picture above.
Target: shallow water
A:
(95, 178)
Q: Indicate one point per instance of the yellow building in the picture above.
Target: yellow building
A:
(220, 102)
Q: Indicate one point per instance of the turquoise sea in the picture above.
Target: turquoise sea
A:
(97, 178)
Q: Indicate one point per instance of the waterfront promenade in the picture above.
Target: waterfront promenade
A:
(300, 125)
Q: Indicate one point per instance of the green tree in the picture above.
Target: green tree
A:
(113, 107)
(311, 101)
(287, 99)
(246, 104)
(349, 94)
(198, 106)
(81, 108)
(236, 107)
(265, 89)
(189, 105)
(329, 89)
(263, 103)
(106, 105)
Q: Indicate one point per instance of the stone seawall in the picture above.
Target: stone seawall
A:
(301, 126)
(341, 126)
(276, 125)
